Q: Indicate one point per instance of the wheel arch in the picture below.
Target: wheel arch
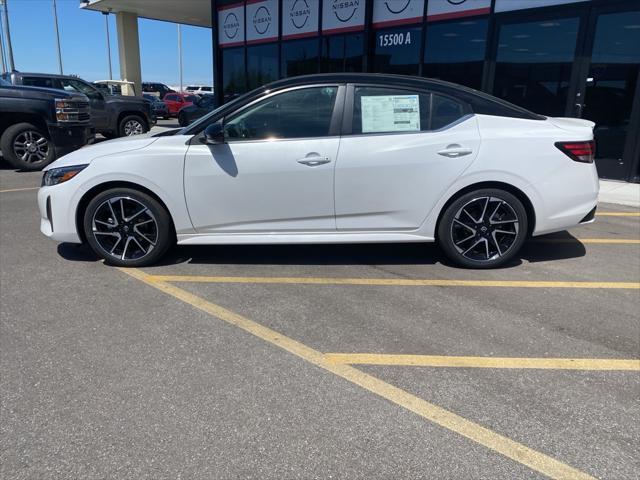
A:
(519, 194)
(97, 189)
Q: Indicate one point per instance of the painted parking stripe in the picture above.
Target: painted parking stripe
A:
(19, 189)
(518, 452)
(393, 282)
(610, 241)
(618, 214)
(484, 362)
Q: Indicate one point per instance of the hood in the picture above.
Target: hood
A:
(89, 153)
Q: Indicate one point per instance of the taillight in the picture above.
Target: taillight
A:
(578, 151)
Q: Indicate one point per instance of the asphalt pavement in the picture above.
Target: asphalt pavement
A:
(336, 361)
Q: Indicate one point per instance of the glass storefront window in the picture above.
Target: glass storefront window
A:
(233, 74)
(534, 63)
(397, 50)
(342, 53)
(454, 51)
(299, 57)
(262, 65)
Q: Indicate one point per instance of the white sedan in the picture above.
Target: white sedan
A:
(332, 158)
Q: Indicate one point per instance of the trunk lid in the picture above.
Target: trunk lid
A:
(577, 125)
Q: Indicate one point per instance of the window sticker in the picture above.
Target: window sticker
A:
(390, 113)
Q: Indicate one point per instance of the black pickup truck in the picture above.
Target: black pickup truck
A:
(38, 125)
(111, 115)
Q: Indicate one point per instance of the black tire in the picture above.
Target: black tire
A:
(132, 123)
(182, 120)
(27, 147)
(122, 243)
(483, 229)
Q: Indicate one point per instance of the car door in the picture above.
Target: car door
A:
(172, 102)
(99, 114)
(401, 150)
(275, 171)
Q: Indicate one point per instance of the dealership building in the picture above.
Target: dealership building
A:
(573, 58)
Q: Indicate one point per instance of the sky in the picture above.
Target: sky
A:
(84, 44)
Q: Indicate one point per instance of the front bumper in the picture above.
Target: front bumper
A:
(57, 212)
(67, 138)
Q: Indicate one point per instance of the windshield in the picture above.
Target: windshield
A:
(204, 122)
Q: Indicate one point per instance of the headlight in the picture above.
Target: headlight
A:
(60, 175)
(66, 111)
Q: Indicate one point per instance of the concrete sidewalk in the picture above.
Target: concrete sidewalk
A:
(622, 193)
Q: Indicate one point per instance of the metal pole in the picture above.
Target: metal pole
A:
(180, 53)
(3, 63)
(12, 65)
(55, 20)
(106, 22)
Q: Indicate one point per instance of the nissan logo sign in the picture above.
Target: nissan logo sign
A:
(231, 25)
(344, 10)
(262, 20)
(456, 2)
(300, 13)
(396, 11)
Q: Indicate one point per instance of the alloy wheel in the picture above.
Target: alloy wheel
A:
(125, 228)
(484, 229)
(133, 127)
(31, 147)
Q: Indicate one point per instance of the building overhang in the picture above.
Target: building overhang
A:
(188, 12)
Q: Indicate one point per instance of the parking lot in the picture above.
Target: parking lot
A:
(319, 361)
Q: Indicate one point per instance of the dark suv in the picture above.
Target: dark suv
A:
(111, 115)
(38, 125)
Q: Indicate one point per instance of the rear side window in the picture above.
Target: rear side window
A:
(394, 110)
(299, 113)
(171, 98)
(40, 82)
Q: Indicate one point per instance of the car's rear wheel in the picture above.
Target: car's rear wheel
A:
(127, 228)
(27, 147)
(483, 229)
(132, 125)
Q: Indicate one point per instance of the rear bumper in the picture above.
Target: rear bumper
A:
(566, 199)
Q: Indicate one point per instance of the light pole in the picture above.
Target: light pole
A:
(180, 53)
(12, 65)
(106, 22)
(3, 64)
(55, 20)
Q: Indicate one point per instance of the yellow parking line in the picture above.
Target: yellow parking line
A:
(618, 214)
(18, 189)
(393, 282)
(518, 452)
(622, 241)
(484, 362)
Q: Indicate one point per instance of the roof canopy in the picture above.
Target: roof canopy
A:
(188, 12)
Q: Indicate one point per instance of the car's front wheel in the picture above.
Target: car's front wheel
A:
(27, 147)
(483, 229)
(127, 228)
(182, 119)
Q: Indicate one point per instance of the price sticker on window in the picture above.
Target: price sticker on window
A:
(390, 113)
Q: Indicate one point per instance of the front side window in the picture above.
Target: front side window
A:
(171, 98)
(300, 113)
(395, 110)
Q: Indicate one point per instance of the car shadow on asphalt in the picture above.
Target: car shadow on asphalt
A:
(558, 246)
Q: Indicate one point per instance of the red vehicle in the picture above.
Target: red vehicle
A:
(175, 101)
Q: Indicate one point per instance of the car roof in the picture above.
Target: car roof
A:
(46, 75)
(480, 101)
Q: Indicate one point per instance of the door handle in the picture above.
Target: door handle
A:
(314, 161)
(454, 151)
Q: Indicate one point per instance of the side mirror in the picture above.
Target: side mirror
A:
(213, 134)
